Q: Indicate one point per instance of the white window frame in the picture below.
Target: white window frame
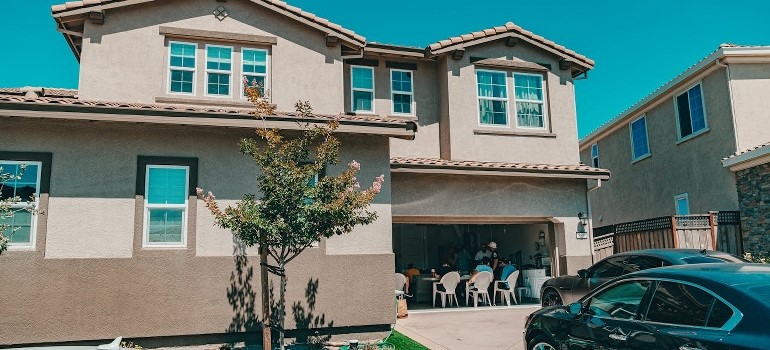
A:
(244, 74)
(23, 205)
(635, 157)
(595, 155)
(353, 89)
(194, 70)
(679, 136)
(147, 206)
(218, 71)
(544, 102)
(677, 198)
(410, 93)
(507, 100)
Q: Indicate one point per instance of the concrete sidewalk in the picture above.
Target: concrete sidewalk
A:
(462, 329)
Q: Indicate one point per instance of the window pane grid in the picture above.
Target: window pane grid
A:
(254, 68)
(402, 91)
(492, 90)
(639, 141)
(363, 89)
(691, 114)
(218, 68)
(530, 102)
(182, 67)
(20, 223)
(166, 204)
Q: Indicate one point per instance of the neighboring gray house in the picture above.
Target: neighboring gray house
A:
(665, 152)
(120, 244)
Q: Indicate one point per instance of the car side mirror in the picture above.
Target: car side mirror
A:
(575, 308)
(583, 273)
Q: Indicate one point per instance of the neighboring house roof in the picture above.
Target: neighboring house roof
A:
(66, 106)
(507, 30)
(725, 52)
(435, 165)
(82, 8)
(748, 158)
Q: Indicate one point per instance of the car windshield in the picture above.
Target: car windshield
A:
(707, 259)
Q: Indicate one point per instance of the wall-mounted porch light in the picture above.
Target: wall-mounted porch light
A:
(581, 228)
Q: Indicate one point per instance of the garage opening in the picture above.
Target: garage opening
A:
(529, 247)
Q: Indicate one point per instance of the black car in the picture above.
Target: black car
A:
(566, 289)
(689, 307)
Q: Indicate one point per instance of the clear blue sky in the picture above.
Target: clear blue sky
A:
(637, 45)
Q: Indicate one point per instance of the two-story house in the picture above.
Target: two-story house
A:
(666, 152)
(119, 243)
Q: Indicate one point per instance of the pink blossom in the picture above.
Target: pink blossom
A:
(199, 191)
(377, 187)
(354, 165)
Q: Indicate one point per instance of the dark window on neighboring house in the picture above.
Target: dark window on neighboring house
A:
(685, 305)
(691, 115)
(640, 145)
(595, 155)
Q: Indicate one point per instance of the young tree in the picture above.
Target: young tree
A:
(298, 207)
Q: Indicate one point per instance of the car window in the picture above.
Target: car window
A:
(619, 301)
(612, 267)
(686, 305)
(639, 263)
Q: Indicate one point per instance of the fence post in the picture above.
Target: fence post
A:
(712, 224)
(673, 232)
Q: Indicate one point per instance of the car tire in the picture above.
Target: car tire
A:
(550, 298)
(541, 342)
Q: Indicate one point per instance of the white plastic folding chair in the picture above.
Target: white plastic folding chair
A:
(506, 291)
(481, 284)
(449, 283)
(400, 285)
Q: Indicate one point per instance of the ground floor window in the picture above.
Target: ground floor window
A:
(21, 187)
(166, 184)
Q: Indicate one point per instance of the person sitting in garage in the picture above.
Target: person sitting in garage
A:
(506, 269)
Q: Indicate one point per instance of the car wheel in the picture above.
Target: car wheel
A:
(540, 342)
(551, 298)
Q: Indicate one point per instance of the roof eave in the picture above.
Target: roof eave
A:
(748, 159)
(455, 170)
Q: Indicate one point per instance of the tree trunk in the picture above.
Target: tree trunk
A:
(266, 329)
(282, 301)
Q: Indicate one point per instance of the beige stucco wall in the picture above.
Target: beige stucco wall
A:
(98, 281)
(486, 197)
(750, 84)
(127, 51)
(646, 188)
(464, 118)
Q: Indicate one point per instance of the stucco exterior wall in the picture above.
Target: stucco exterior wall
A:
(301, 66)
(750, 84)
(534, 148)
(538, 200)
(646, 188)
(89, 277)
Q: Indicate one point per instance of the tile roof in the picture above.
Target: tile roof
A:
(508, 28)
(10, 96)
(53, 92)
(282, 5)
(739, 153)
(402, 162)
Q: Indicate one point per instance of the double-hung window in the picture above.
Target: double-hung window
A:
(362, 84)
(595, 155)
(165, 205)
(682, 204)
(182, 67)
(530, 100)
(691, 114)
(254, 70)
(21, 187)
(402, 91)
(219, 69)
(493, 97)
(640, 146)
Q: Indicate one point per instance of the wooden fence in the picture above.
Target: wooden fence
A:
(713, 231)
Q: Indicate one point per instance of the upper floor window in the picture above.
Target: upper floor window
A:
(530, 100)
(218, 70)
(254, 70)
(682, 204)
(165, 203)
(493, 97)
(23, 188)
(691, 114)
(595, 155)
(402, 91)
(182, 67)
(639, 142)
(362, 85)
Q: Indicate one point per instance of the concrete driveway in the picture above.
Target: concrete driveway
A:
(462, 329)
